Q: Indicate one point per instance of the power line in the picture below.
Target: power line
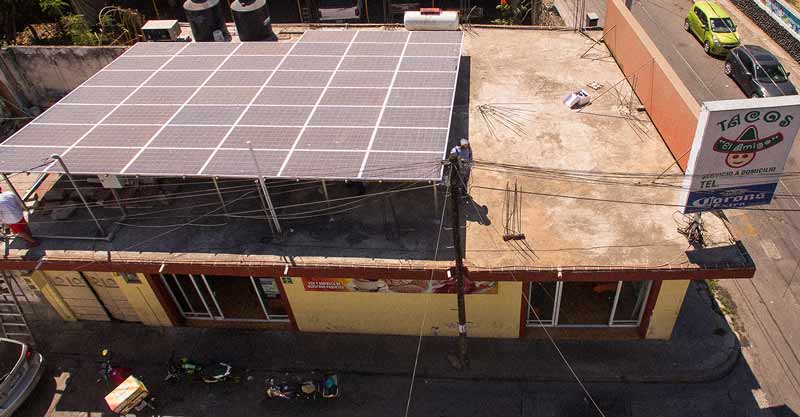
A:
(615, 201)
(289, 216)
(192, 194)
(427, 305)
(591, 180)
(530, 306)
(160, 235)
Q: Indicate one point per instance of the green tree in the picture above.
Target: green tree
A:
(79, 31)
(513, 13)
(53, 8)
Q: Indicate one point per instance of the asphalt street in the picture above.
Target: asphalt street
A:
(71, 390)
(766, 307)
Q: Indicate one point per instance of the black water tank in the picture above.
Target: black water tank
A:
(252, 20)
(206, 17)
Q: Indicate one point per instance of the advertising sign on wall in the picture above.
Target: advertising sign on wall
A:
(738, 153)
(407, 286)
(783, 13)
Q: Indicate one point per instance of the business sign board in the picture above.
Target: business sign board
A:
(738, 153)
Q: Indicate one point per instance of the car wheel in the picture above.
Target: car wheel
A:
(755, 95)
(707, 47)
(686, 25)
(727, 69)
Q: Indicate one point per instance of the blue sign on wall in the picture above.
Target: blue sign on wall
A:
(726, 198)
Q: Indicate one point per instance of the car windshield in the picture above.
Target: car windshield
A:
(9, 356)
(771, 72)
(722, 25)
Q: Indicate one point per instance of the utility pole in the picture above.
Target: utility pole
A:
(455, 200)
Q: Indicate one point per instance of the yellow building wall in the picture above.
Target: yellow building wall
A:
(488, 315)
(52, 295)
(665, 312)
(143, 300)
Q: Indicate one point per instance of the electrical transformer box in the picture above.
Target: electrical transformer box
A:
(161, 30)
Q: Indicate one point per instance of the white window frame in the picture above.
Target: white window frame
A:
(554, 322)
(207, 315)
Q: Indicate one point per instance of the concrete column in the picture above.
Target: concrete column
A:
(665, 312)
(143, 300)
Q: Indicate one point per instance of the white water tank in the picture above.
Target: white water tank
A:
(417, 20)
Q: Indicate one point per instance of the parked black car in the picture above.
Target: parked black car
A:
(758, 72)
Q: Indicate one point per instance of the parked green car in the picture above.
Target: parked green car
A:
(713, 26)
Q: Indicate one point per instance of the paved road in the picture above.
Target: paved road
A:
(71, 391)
(767, 306)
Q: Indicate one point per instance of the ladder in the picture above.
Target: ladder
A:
(12, 320)
(305, 16)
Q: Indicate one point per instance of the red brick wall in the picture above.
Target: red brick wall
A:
(668, 102)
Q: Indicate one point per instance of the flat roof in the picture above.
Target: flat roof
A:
(335, 104)
(509, 104)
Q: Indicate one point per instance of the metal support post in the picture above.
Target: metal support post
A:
(267, 216)
(325, 191)
(455, 202)
(264, 189)
(77, 190)
(435, 200)
(14, 190)
(221, 199)
(119, 203)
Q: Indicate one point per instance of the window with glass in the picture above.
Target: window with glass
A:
(218, 297)
(587, 304)
(542, 298)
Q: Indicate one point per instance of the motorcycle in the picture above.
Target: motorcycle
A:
(128, 393)
(212, 374)
(311, 389)
(109, 373)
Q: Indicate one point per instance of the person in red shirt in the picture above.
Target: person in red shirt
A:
(11, 213)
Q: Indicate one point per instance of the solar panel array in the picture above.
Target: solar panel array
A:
(334, 104)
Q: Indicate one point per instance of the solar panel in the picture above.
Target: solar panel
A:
(334, 104)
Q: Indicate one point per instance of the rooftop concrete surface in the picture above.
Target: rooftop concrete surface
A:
(522, 76)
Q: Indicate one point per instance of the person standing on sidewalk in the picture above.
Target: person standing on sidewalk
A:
(464, 154)
(11, 213)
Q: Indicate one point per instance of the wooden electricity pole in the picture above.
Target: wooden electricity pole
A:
(455, 200)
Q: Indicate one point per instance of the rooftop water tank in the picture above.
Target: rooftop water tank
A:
(423, 20)
(252, 20)
(207, 20)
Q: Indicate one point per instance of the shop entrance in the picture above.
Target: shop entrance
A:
(587, 304)
(216, 297)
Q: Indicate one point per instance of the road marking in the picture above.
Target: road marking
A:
(771, 249)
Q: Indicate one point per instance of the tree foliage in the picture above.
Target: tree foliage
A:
(54, 8)
(513, 13)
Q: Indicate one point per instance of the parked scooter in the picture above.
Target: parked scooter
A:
(326, 387)
(211, 374)
(109, 373)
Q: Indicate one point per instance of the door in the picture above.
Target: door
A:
(701, 24)
(78, 296)
(111, 296)
(746, 74)
(694, 21)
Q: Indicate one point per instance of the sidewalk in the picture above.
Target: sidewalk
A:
(698, 352)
